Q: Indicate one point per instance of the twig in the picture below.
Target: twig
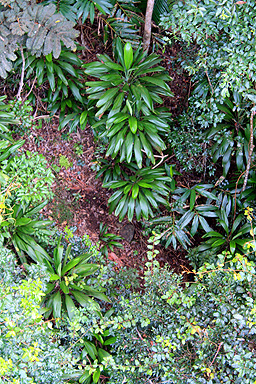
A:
(251, 146)
(160, 162)
(22, 73)
(219, 347)
(44, 117)
(31, 89)
(209, 81)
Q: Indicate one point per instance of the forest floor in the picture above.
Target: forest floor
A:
(80, 201)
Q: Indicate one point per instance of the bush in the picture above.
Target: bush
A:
(32, 174)
(31, 350)
(176, 332)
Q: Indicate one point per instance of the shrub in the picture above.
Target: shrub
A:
(224, 34)
(25, 180)
(176, 332)
(31, 172)
(31, 350)
(63, 80)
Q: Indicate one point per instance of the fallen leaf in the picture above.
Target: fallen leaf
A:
(113, 257)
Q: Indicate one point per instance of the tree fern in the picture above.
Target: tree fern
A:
(36, 26)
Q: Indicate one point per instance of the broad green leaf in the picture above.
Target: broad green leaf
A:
(110, 340)
(96, 375)
(120, 205)
(218, 243)
(95, 293)
(185, 219)
(128, 55)
(135, 191)
(133, 123)
(102, 353)
(194, 225)
(90, 349)
(204, 224)
(232, 246)
(84, 377)
(75, 91)
(54, 277)
(147, 147)
(56, 303)
(70, 306)
(114, 66)
(119, 49)
(129, 146)
(57, 256)
(146, 97)
(81, 298)
(108, 95)
(22, 221)
(131, 207)
(192, 199)
(144, 206)
(137, 151)
(71, 264)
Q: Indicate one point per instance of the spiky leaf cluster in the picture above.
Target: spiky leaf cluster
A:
(35, 26)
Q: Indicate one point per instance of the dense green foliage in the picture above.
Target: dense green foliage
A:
(31, 351)
(200, 333)
(67, 313)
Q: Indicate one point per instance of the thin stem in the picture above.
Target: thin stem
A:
(22, 73)
(251, 146)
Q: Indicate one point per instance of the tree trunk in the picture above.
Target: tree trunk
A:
(147, 29)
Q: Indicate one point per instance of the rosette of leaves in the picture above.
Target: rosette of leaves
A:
(131, 135)
(232, 136)
(127, 93)
(139, 193)
(67, 287)
(232, 231)
(7, 117)
(128, 83)
(19, 227)
(110, 170)
(188, 208)
(113, 170)
(108, 240)
(64, 80)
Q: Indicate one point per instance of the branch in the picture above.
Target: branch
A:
(251, 146)
(219, 347)
(147, 29)
(22, 74)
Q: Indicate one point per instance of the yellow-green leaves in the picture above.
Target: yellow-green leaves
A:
(128, 55)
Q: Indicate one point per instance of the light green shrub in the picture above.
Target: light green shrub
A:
(31, 350)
